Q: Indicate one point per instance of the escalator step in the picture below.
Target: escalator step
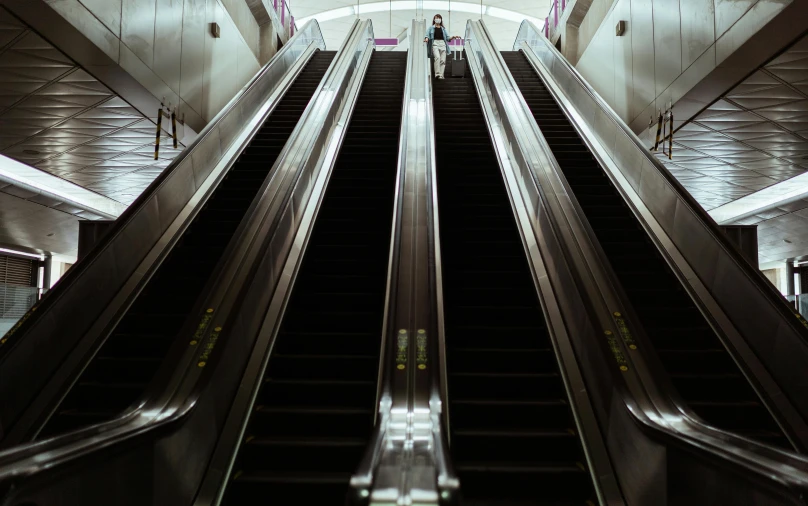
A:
(699, 366)
(315, 411)
(512, 430)
(133, 353)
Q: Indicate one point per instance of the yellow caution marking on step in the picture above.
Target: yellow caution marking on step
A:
(203, 324)
(236, 474)
(580, 466)
(209, 345)
(624, 332)
(402, 343)
(420, 349)
(249, 438)
(616, 351)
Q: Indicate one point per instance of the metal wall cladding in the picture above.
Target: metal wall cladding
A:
(108, 12)
(137, 28)
(666, 37)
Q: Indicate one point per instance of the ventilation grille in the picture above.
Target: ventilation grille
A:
(16, 293)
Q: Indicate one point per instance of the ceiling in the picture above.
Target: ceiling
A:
(56, 117)
(754, 137)
(390, 23)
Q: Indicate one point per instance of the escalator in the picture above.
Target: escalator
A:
(314, 413)
(125, 364)
(513, 435)
(700, 368)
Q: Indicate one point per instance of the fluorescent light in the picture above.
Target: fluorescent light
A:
(772, 196)
(13, 172)
(13, 252)
(409, 5)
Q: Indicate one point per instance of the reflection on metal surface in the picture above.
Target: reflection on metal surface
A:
(63, 195)
(171, 401)
(305, 163)
(755, 136)
(58, 118)
(407, 461)
(522, 154)
(670, 219)
(744, 158)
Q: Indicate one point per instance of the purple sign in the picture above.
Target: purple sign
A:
(386, 42)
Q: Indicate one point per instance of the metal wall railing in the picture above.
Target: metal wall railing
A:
(553, 17)
(285, 13)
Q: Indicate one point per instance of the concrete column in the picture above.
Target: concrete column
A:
(802, 271)
(46, 276)
(789, 278)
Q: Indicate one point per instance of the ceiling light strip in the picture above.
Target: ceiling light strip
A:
(409, 5)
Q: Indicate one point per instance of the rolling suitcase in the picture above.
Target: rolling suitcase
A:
(458, 63)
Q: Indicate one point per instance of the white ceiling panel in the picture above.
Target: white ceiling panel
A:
(57, 117)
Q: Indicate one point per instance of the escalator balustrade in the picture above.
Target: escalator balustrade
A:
(513, 436)
(699, 366)
(125, 364)
(314, 414)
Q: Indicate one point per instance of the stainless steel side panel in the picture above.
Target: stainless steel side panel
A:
(317, 152)
(515, 142)
(643, 424)
(762, 332)
(407, 459)
(174, 439)
(114, 271)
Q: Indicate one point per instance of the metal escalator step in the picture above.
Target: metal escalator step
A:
(301, 454)
(516, 446)
(320, 488)
(697, 363)
(316, 407)
(128, 364)
(507, 403)
(318, 393)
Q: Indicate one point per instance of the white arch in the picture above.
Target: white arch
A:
(405, 5)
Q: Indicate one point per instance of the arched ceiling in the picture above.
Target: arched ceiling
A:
(392, 17)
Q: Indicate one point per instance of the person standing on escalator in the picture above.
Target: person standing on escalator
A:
(437, 39)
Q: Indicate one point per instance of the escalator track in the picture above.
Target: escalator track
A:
(314, 413)
(513, 435)
(129, 359)
(700, 368)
